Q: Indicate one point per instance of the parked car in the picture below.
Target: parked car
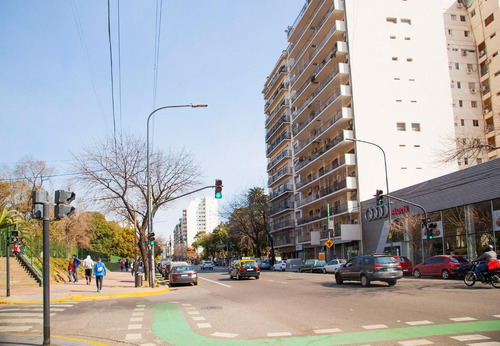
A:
(264, 265)
(182, 274)
(280, 265)
(441, 265)
(168, 267)
(333, 265)
(207, 265)
(293, 264)
(405, 264)
(244, 268)
(370, 268)
(312, 265)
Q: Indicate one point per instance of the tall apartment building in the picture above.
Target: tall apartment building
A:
(375, 71)
(201, 215)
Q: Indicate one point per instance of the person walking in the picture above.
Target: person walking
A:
(70, 270)
(99, 273)
(121, 265)
(76, 265)
(88, 264)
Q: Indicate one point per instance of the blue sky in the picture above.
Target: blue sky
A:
(217, 52)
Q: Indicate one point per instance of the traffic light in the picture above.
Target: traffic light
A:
(218, 188)
(430, 230)
(40, 199)
(62, 200)
(152, 238)
(379, 197)
(14, 236)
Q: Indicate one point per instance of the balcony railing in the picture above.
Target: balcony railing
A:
(280, 225)
(284, 241)
(303, 162)
(334, 165)
(284, 136)
(282, 172)
(272, 130)
(337, 209)
(278, 158)
(276, 208)
(278, 73)
(283, 103)
(325, 191)
(283, 86)
(279, 192)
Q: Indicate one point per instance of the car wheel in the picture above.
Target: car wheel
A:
(300, 270)
(445, 274)
(257, 277)
(338, 279)
(392, 282)
(238, 277)
(416, 273)
(196, 283)
(324, 271)
(365, 282)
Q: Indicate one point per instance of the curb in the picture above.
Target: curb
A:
(97, 297)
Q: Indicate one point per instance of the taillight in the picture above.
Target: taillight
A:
(176, 274)
(376, 267)
(399, 265)
(257, 268)
(242, 269)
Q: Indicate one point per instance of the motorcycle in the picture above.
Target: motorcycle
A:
(489, 277)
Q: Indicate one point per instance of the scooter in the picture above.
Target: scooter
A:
(489, 277)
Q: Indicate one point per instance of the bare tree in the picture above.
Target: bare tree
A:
(461, 146)
(115, 176)
(409, 228)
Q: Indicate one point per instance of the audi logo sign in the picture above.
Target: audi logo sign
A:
(377, 213)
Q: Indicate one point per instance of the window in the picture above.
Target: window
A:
(417, 146)
(466, 33)
(415, 127)
(475, 123)
(401, 126)
(392, 37)
(473, 13)
(469, 67)
(407, 38)
(450, 32)
(459, 85)
(394, 58)
(391, 20)
(397, 78)
(453, 17)
(462, 122)
(463, 19)
(488, 20)
(406, 21)
(457, 66)
(472, 85)
(466, 161)
(460, 103)
(473, 104)
(409, 59)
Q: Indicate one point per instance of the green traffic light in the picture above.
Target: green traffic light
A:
(218, 195)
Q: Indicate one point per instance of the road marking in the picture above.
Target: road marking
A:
(416, 342)
(133, 336)
(138, 314)
(193, 312)
(328, 331)
(419, 323)
(135, 326)
(224, 335)
(139, 309)
(31, 309)
(471, 337)
(375, 326)
(215, 282)
(204, 325)
(136, 319)
(497, 316)
(24, 314)
(198, 318)
(186, 304)
(22, 320)
(463, 319)
(5, 329)
(190, 308)
(279, 334)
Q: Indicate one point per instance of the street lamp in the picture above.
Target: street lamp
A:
(148, 181)
(386, 179)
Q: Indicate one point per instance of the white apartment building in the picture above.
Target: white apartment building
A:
(375, 71)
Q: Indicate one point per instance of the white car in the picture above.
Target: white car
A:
(333, 265)
(280, 265)
(207, 265)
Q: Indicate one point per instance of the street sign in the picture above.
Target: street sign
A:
(329, 243)
(191, 251)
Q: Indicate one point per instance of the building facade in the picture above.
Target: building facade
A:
(404, 76)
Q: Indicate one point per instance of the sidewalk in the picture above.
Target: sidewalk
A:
(115, 285)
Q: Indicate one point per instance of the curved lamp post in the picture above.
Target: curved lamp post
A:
(149, 190)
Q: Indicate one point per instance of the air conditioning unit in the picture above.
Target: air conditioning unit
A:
(464, 52)
(469, 70)
(473, 90)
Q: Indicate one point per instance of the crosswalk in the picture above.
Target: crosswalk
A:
(23, 318)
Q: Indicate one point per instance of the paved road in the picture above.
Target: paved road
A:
(288, 308)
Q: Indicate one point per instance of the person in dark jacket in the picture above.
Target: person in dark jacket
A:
(487, 256)
(76, 264)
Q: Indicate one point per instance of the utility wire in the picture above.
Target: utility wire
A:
(111, 70)
(120, 74)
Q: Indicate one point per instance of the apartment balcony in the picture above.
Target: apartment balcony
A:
(283, 242)
(350, 207)
(280, 207)
(280, 109)
(277, 95)
(284, 120)
(335, 189)
(278, 226)
(301, 239)
(278, 159)
(279, 143)
(277, 78)
(341, 162)
(335, 145)
(285, 171)
(280, 193)
(326, 129)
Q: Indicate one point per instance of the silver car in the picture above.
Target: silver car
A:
(370, 268)
(333, 265)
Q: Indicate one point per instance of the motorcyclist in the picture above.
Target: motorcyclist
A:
(488, 255)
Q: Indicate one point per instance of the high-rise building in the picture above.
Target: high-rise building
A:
(403, 78)
(201, 215)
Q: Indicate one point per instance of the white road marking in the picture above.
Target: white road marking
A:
(418, 323)
(204, 325)
(30, 309)
(471, 337)
(193, 312)
(198, 318)
(375, 326)
(5, 329)
(463, 319)
(136, 319)
(215, 282)
(23, 314)
(133, 336)
(22, 320)
(279, 334)
(190, 308)
(224, 335)
(138, 314)
(497, 316)
(139, 309)
(488, 343)
(279, 282)
(186, 304)
(327, 331)
(135, 326)
(416, 342)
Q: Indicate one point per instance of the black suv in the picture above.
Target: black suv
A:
(244, 268)
(370, 268)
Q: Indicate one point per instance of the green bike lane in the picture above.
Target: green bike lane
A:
(170, 326)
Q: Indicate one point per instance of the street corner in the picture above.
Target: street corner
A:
(102, 296)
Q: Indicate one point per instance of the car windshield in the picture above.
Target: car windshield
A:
(320, 263)
(458, 259)
(385, 260)
(309, 263)
(182, 269)
(249, 264)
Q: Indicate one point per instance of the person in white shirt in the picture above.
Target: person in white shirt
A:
(88, 264)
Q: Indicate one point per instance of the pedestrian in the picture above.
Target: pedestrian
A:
(70, 270)
(17, 249)
(23, 245)
(88, 264)
(99, 273)
(126, 264)
(121, 264)
(76, 264)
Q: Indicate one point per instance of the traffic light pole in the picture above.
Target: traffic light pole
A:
(46, 275)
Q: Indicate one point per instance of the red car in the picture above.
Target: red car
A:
(405, 264)
(441, 265)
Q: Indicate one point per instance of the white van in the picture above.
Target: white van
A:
(293, 264)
